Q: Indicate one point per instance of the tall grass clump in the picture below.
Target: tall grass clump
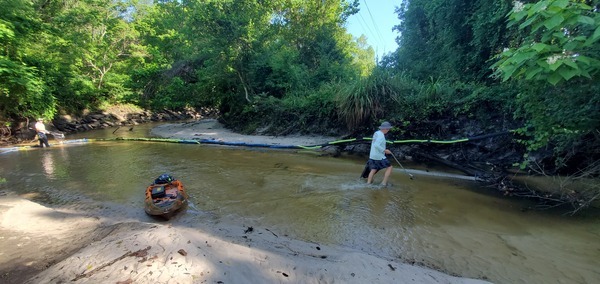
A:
(364, 101)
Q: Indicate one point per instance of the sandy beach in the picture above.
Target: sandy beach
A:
(213, 130)
(55, 245)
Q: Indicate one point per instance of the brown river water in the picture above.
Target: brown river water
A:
(451, 224)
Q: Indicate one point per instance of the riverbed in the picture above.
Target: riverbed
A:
(453, 225)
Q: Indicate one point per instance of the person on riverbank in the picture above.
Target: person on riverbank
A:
(377, 160)
(41, 131)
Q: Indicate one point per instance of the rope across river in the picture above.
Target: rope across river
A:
(262, 145)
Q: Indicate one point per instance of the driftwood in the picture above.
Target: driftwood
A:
(576, 199)
(480, 174)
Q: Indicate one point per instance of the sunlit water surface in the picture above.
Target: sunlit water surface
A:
(457, 226)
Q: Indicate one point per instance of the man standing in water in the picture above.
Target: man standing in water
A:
(377, 160)
(40, 128)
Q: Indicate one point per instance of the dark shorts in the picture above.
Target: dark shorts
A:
(378, 164)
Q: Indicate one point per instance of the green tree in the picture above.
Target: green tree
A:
(562, 42)
(363, 56)
(557, 63)
(234, 50)
(22, 85)
(101, 43)
(450, 39)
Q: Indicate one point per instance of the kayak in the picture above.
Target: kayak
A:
(165, 199)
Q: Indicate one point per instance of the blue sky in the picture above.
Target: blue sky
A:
(375, 20)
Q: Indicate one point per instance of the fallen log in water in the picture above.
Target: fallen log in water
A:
(479, 173)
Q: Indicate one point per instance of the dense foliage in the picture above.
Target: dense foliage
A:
(537, 61)
(557, 65)
(286, 66)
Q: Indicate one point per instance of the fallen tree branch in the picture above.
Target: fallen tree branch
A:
(478, 173)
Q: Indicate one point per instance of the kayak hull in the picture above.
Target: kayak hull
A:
(165, 200)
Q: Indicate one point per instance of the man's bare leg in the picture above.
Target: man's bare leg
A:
(371, 175)
(386, 175)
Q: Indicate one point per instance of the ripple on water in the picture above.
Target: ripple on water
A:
(450, 224)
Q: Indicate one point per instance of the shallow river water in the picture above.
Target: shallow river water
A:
(454, 225)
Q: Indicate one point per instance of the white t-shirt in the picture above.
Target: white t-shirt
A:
(377, 146)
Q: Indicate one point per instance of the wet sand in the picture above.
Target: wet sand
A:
(58, 246)
(48, 245)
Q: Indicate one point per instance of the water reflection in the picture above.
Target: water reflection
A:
(48, 165)
(454, 225)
